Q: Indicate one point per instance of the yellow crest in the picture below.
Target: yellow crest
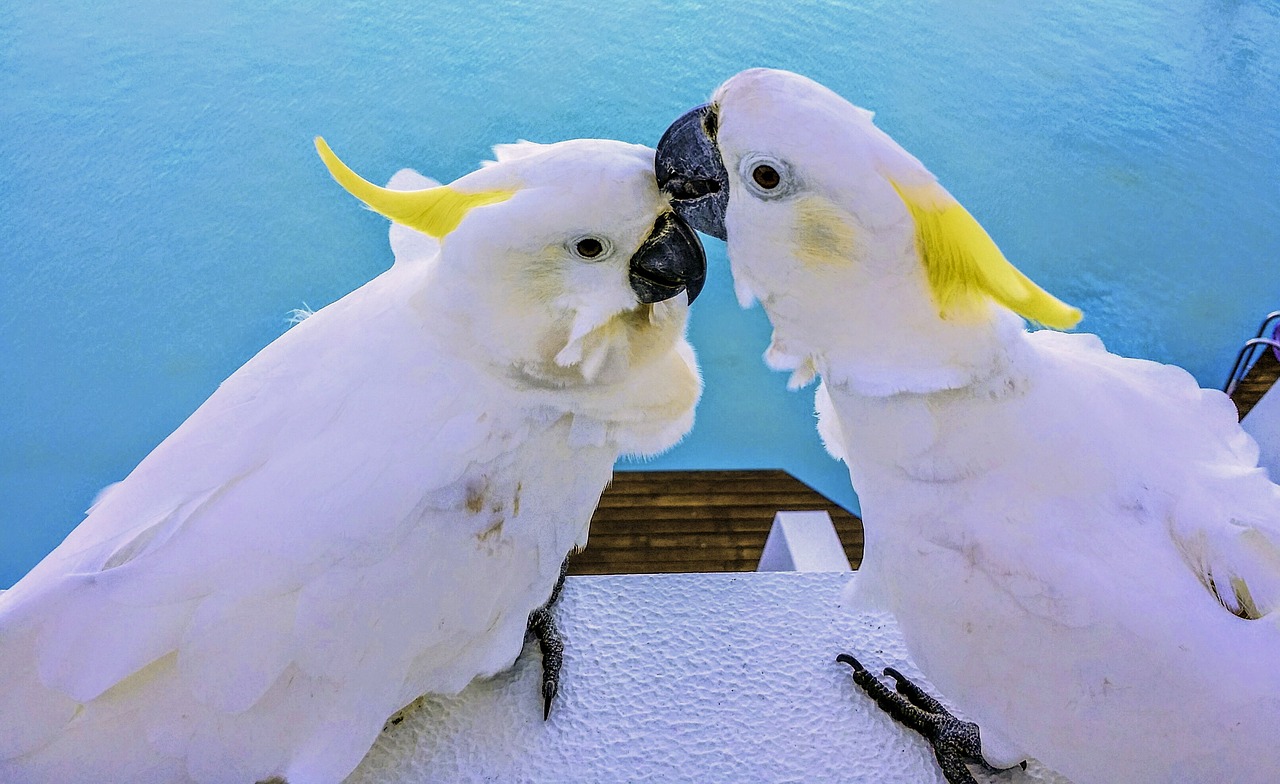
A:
(435, 211)
(962, 261)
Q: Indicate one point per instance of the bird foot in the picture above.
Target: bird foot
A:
(956, 744)
(542, 623)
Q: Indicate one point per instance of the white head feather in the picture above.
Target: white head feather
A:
(857, 226)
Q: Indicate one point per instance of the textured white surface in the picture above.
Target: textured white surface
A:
(668, 678)
(803, 542)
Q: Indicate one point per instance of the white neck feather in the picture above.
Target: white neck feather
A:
(877, 332)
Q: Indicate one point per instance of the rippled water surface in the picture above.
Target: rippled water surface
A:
(162, 210)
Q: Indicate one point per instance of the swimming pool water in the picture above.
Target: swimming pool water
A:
(162, 209)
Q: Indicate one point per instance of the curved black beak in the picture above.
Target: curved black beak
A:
(690, 171)
(668, 262)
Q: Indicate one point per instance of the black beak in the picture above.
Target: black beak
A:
(689, 170)
(668, 262)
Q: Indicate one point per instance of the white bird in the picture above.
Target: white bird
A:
(1079, 547)
(370, 508)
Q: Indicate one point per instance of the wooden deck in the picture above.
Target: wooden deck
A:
(1260, 378)
(698, 521)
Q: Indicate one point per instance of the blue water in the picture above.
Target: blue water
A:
(162, 210)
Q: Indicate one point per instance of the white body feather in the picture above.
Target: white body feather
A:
(367, 511)
(1059, 543)
(1079, 547)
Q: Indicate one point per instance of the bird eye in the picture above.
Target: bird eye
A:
(590, 248)
(766, 176)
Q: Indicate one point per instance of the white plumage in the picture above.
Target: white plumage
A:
(368, 510)
(1079, 547)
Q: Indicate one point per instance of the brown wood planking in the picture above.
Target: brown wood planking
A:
(682, 563)
(694, 540)
(682, 526)
(654, 567)
(712, 499)
(715, 560)
(718, 512)
(697, 521)
(753, 475)
(1260, 378)
(631, 542)
(620, 493)
(674, 555)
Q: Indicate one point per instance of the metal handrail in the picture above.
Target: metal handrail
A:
(1245, 358)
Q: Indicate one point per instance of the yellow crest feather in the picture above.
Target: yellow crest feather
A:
(962, 261)
(434, 211)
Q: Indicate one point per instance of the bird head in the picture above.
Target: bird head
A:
(563, 261)
(836, 228)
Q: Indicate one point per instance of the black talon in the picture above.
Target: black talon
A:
(845, 658)
(542, 624)
(549, 690)
(956, 743)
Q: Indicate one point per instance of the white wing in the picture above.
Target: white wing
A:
(347, 464)
(1198, 469)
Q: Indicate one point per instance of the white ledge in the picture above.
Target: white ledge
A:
(668, 678)
(803, 542)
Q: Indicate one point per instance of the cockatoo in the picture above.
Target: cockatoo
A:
(1078, 546)
(371, 508)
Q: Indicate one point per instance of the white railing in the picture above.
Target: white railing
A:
(1249, 351)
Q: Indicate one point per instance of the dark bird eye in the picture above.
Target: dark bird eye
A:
(589, 247)
(766, 176)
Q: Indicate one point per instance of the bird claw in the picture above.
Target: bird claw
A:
(543, 625)
(550, 687)
(956, 743)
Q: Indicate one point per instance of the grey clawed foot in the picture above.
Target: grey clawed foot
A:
(956, 743)
(542, 623)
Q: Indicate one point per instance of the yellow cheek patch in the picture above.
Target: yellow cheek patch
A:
(540, 279)
(963, 263)
(434, 211)
(822, 235)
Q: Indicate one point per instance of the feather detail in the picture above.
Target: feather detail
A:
(502, 153)
(435, 211)
(746, 297)
(964, 264)
(407, 244)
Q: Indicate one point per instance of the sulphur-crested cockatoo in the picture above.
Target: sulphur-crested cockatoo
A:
(369, 509)
(1078, 546)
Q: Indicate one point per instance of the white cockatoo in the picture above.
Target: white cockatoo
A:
(1078, 546)
(370, 508)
